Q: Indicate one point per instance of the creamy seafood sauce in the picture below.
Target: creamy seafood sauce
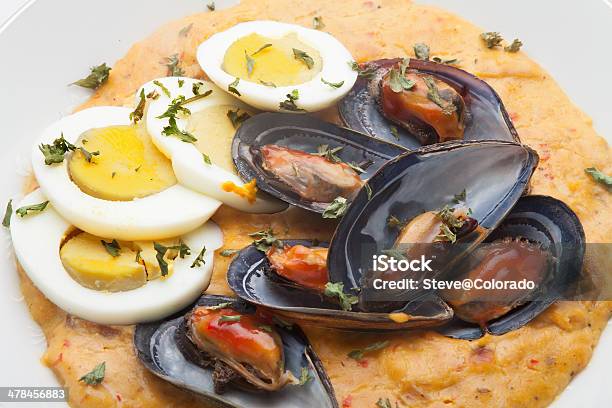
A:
(527, 367)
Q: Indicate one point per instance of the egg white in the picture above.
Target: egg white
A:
(189, 167)
(168, 213)
(37, 237)
(314, 95)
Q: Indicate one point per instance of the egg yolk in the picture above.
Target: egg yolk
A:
(274, 64)
(128, 165)
(215, 132)
(88, 262)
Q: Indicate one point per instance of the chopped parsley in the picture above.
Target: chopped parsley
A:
(394, 222)
(211, 6)
(98, 75)
(491, 39)
(265, 239)
(336, 208)
(161, 250)
(358, 354)
(336, 290)
(6, 221)
(199, 261)
(398, 82)
(433, 94)
(173, 64)
(383, 403)
(163, 88)
(87, 154)
(237, 118)
(219, 306)
(185, 30)
(228, 252)
(599, 176)
(317, 23)
(289, 103)
(365, 71)
(175, 108)
(95, 376)
(27, 209)
(206, 158)
(196, 97)
(54, 153)
(445, 61)
(305, 376)
(368, 191)
(515, 46)
(266, 83)
(450, 223)
(195, 88)
(304, 57)
(395, 132)
(329, 154)
(138, 113)
(112, 247)
(232, 318)
(421, 51)
(181, 82)
(260, 49)
(333, 84)
(232, 87)
(460, 198)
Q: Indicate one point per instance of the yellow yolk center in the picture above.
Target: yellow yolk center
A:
(215, 132)
(88, 262)
(275, 64)
(128, 165)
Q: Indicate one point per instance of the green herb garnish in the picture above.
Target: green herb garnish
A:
(333, 84)
(398, 82)
(421, 51)
(336, 208)
(195, 88)
(97, 77)
(185, 30)
(174, 109)
(138, 113)
(365, 71)
(219, 306)
(27, 209)
(515, 46)
(173, 64)
(368, 191)
(112, 247)
(450, 223)
(265, 239)
(196, 97)
(394, 132)
(228, 252)
(206, 158)
(599, 176)
(232, 87)
(433, 94)
(359, 353)
(317, 23)
(394, 222)
(491, 39)
(237, 118)
(162, 87)
(87, 154)
(394, 253)
(445, 61)
(266, 83)
(6, 221)
(260, 49)
(160, 252)
(305, 376)
(95, 376)
(460, 198)
(211, 6)
(199, 261)
(383, 403)
(289, 103)
(54, 153)
(336, 290)
(304, 57)
(329, 154)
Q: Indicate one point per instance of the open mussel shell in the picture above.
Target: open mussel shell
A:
(493, 175)
(303, 133)
(551, 224)
(250, 277)
(158, 346)
(487, 116)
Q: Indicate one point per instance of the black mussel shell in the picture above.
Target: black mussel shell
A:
(158, 346)
(488, 119)
(554, 226)
(304, 133)
(493, 175)
(250, 277)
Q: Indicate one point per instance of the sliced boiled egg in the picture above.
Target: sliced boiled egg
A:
(193, 123)
(121, 284)
(278, 66)
(104, 175)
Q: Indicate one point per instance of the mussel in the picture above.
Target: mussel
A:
(416, 102)
(235, 356)
(415, 189)
(305, 161)
(540, 241)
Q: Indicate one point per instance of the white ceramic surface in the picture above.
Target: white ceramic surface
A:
(49, 43)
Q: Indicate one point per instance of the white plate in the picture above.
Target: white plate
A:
(48, 44)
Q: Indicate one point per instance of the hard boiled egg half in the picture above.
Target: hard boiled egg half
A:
(111, 281)
(103, 175)
(278, 66)
(193, 123)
